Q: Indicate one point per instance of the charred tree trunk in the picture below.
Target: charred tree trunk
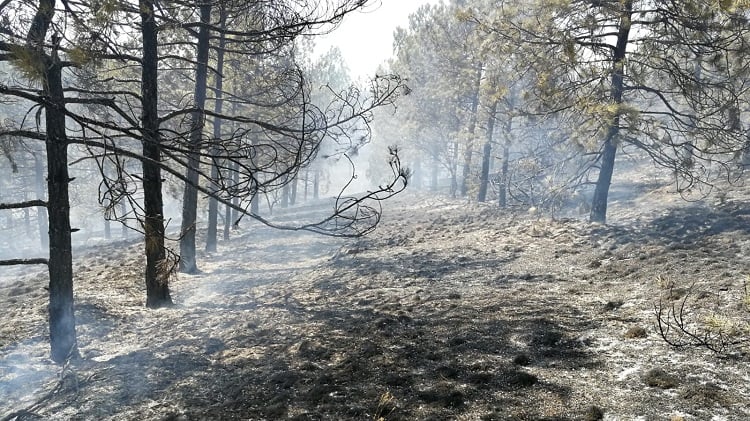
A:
(487, 154)
(603, 182)
(235, 200)
(41, 212)
(213, 204)
(468, 152)
(609, 150)
(62, 327)
(61, 317)
(60, 263)
(157, 271)
(454, 171)
(188, 263)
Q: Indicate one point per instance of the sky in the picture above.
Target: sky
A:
(366, 37)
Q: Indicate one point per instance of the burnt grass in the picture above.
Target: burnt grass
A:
(450, 310)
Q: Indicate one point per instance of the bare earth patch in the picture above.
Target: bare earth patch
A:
(449, 310)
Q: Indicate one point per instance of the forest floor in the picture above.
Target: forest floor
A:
(449, 310)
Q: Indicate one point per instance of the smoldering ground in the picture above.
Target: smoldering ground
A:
(449, 310)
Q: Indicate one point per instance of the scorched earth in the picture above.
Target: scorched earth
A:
(449, 310)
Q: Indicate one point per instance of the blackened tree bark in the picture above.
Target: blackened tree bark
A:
(61, 311)
(157, 268)
(41, 212)
(61, 317)
(188, 263)
(487, 154)
(609, 149)
(213, 204)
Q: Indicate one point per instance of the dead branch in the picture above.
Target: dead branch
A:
(679, 329)
(21, 205)
(34, 261)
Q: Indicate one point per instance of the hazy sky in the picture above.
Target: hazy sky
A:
(366, 37)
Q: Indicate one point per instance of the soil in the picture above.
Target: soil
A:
(449, 310)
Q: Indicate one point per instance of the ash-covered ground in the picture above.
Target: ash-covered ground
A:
(450, 310)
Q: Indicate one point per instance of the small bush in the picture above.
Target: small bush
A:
(636, 332)
(656, 377)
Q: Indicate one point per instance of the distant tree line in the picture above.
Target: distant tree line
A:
(531, 102)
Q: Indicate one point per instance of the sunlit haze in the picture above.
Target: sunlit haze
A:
(366, 37)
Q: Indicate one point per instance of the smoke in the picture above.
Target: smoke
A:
(24, 372)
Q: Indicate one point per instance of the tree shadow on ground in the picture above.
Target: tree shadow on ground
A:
(683, 226)
(443, 359)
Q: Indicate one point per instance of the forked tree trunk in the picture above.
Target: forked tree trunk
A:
(157, 275)
(609, 150)
(188, 263)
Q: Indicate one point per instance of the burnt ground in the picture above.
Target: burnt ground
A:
(450, 310)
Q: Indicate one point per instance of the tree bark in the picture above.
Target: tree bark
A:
(454, 170)
(123, 211)
(316, 184)
(107, 229)
(434, 174)
(487, 154)
(505, 167)
(416, 176)
(157, 273)
(61, 313)
(213, 204)
(293, 192)
(41, 211)
(188, 263)
(62, 328)
(285, 196)
(468, 151)
(609, 150)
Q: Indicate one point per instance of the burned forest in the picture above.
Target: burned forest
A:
(374, 210)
